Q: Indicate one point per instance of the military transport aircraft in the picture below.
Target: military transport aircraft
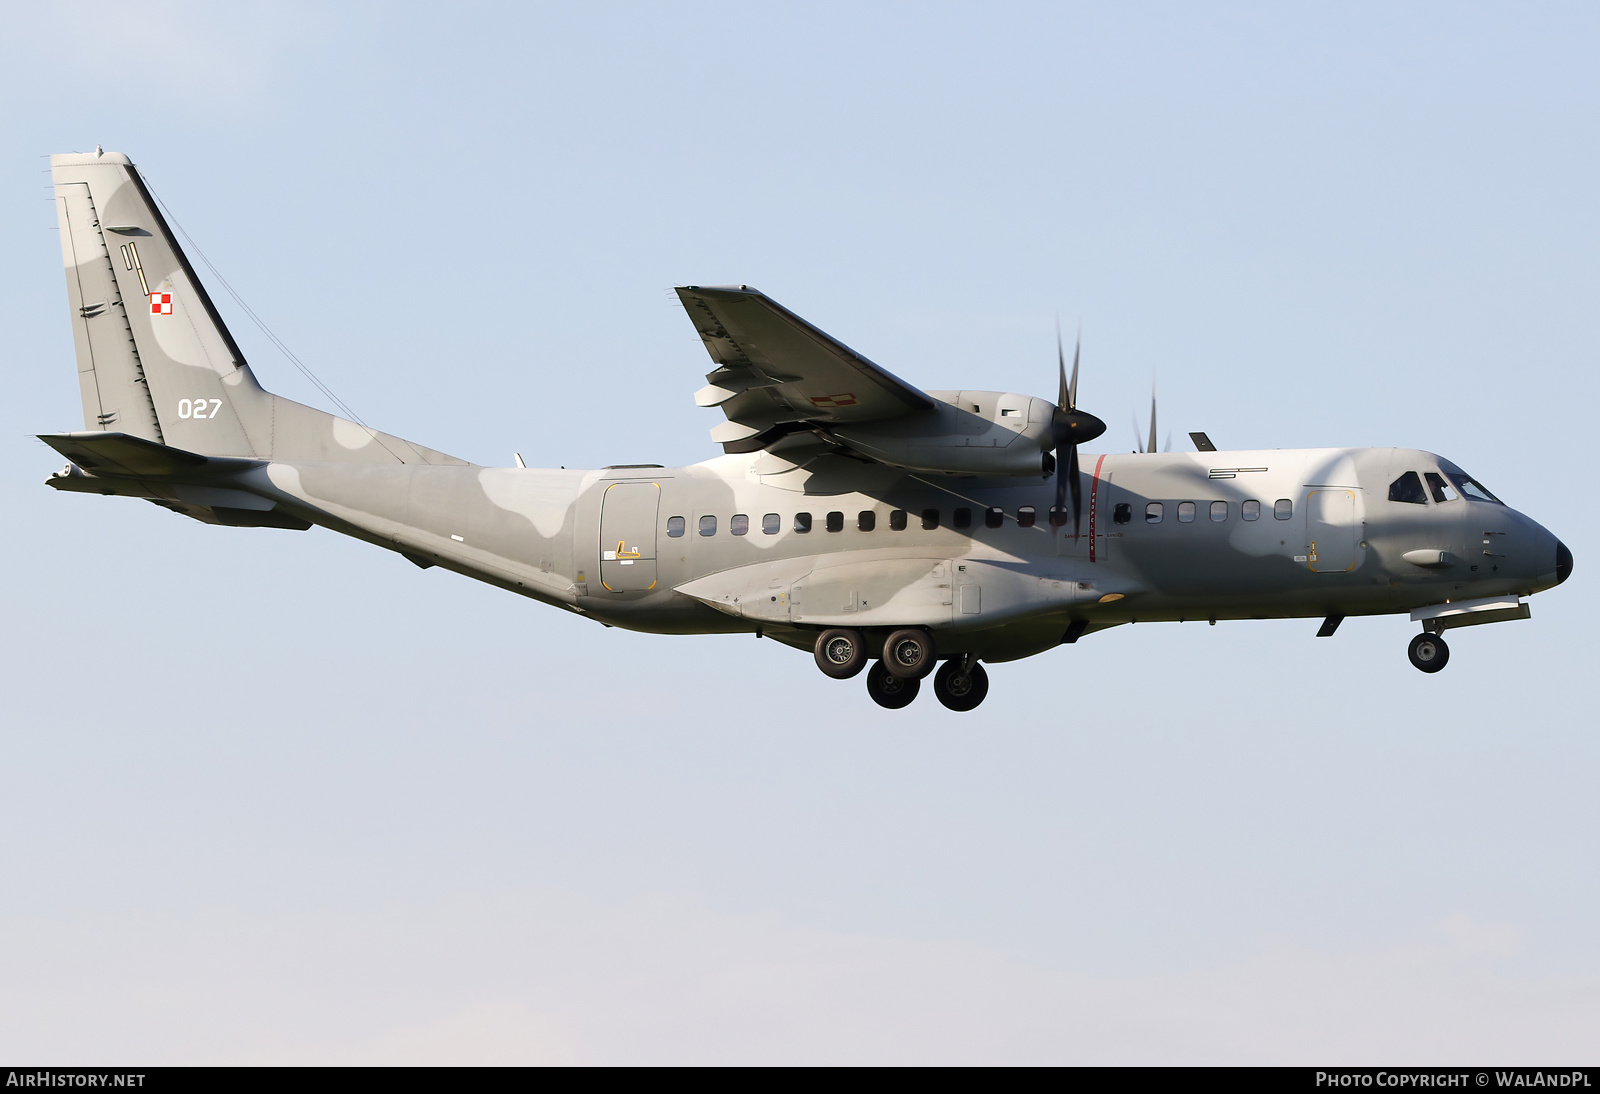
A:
(876, 525)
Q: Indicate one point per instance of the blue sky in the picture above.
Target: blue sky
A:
(277, 796)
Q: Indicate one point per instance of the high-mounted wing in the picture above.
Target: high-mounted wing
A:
(776, 372)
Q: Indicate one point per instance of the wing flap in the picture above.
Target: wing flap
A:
(774, 367)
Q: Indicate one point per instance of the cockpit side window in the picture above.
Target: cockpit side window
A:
(1408, 488)
(1472, 489)
(1440, 489)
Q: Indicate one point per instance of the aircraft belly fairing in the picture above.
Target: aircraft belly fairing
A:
(948, 594)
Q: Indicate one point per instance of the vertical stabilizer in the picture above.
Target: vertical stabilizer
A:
(155, 360)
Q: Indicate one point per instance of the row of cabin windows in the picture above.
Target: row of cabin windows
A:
(993, 517)
(1155, 511)
(866, 521)
(1408, 488)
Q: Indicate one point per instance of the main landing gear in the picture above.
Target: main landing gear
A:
(961, 683)
(1428, 652)
(889, 690)
(841, 653)
(894, 680)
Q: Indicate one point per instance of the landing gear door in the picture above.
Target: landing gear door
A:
(628, 514)
(1332, 531)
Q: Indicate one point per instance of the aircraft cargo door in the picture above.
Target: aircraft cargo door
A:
(628, 536)
(1331, 531)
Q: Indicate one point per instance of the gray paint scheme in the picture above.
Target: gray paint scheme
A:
(173, 414)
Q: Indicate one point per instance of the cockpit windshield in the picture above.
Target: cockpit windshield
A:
(1408, 488)
(1440, 489)
(1472, 489)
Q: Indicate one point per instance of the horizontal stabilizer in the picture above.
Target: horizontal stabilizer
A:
(127, 455)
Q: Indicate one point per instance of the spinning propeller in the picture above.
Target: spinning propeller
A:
(1139, 444)
(1070, 427)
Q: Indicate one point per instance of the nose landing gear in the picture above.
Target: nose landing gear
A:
(1428, 652)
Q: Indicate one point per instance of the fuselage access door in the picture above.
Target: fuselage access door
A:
(628, 515)
(1333, 530)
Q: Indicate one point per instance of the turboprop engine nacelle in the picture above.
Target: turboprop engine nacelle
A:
(966, 433)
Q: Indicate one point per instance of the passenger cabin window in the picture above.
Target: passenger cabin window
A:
(994, 517)
(1440, 489)
(708, 526)
(802, 522)
(1471, 489)
(1122, 514)
(1408, 488)
(675, 526)
(897, 520)
(1186, 512)
(770, 524)
(1250, 510)
(1219, 511)
(1282, 509)
(866, 520)
(739, 524)
(1026, 517)
(1058, 516)
(963, 518)
(1153, 512)
(835, 521)
(930, 519)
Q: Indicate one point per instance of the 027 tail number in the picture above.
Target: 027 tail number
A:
(199, 408)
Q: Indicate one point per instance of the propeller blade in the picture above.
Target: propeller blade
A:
(1064, 399)
(1072, 388)
(1069, 427)
(1152, 447)
(1063, 460)
(1077, 490)
(1138, 441)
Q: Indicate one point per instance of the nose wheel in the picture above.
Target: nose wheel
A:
(1428, 652)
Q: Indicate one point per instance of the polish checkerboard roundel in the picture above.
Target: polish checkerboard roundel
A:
(160, 303)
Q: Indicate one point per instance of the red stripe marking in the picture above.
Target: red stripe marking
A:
(1094, 498)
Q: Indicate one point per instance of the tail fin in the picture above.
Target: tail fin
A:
(154, 358)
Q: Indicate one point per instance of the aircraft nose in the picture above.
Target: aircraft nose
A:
(1563, 562)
